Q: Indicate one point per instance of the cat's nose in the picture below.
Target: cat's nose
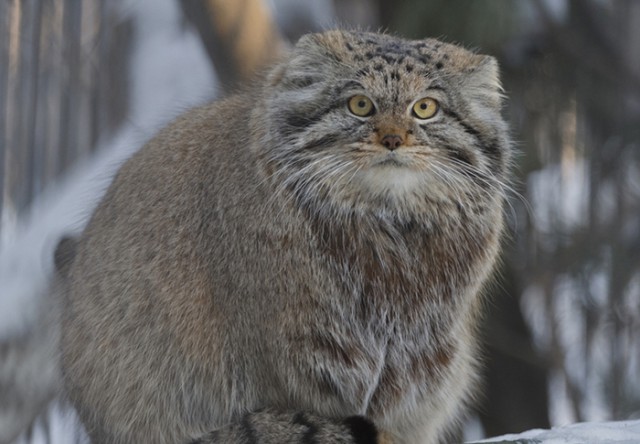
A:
(392, 141)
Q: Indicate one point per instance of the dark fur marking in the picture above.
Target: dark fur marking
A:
(407, 226)
(459, 155)
(390, 389)
(351, 84)
(296, 121)
(363, 72)
(432, 361)
(249, 432)
(326, 383)
(321, 142)
(389, 59)
(465, 158)
(362, 430)
(439, 65)
(467, 128)
(333, 57)
(302, 82)
(64, 254)
(309, 436)
(393, 46)
(491, 148)
(343, 354)
(488, 147)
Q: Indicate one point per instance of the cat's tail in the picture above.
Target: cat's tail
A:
(64, 254)
(271, 427)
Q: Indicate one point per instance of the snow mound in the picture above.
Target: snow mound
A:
(621, 432)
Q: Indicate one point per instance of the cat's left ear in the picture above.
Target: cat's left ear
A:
(305, 64)
(482, 81)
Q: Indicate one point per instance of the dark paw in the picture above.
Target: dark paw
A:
(362, 430)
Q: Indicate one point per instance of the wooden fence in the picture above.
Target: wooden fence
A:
(62, 88)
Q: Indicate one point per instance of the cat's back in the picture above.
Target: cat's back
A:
(207, 146)
(178, 178)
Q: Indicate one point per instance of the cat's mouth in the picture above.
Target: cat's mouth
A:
(392, 159)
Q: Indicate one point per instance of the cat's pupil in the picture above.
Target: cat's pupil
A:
(423, 106)
(362, 104)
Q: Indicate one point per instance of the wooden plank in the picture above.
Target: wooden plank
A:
(12, 108)
(4, 74)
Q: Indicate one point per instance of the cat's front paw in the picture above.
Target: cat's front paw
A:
(364, 431)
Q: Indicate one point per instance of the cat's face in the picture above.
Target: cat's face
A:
(362, 120)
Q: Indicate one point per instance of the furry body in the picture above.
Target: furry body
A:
(267, 252)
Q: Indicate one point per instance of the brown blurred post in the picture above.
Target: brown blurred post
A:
(240, 36)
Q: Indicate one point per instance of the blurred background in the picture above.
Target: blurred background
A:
(83, 83)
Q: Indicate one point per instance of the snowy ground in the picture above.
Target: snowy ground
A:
(622, 432)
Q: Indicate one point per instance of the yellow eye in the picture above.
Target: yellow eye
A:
(425, 108)
(361, 106)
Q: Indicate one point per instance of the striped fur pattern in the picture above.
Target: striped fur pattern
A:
(298, 427)
(267, 270)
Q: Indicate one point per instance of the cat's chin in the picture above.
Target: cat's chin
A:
(403, 186)
(392, 178)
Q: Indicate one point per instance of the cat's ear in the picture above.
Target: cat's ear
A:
(309, 43)
(481, 80)
(305, 64)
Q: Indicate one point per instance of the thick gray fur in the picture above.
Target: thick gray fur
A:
(266, 257)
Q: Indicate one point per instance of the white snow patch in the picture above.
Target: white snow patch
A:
(64, 427)
(621, 432)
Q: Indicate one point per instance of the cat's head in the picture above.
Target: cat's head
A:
(369, 122)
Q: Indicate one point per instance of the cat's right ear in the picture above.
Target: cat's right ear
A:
(304, 64)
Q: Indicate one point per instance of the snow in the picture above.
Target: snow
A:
(64, 428)
(620, 432)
